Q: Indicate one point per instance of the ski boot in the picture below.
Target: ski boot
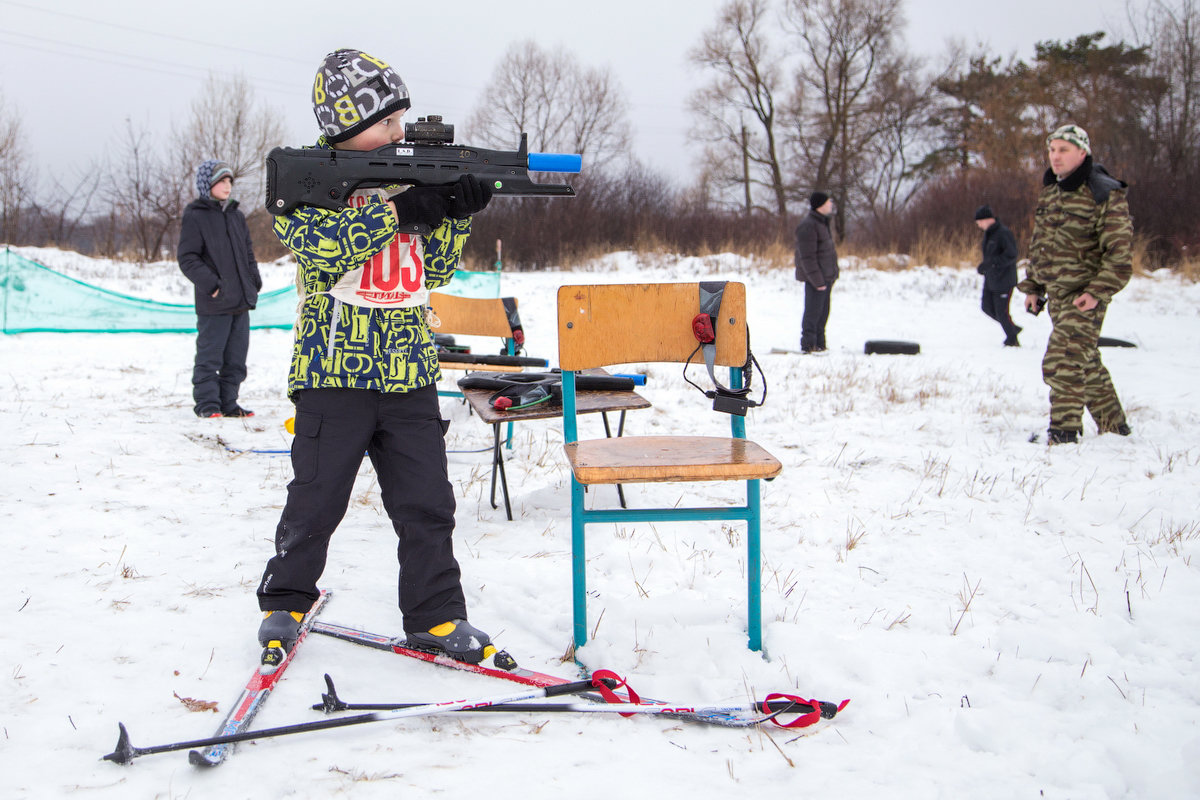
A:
(461, 641)
(278, 634)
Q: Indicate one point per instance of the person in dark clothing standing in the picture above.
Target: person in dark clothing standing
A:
(816, 265)
(216, 255)
(999, 271)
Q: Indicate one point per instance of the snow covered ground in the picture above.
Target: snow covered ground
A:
(1007, 620)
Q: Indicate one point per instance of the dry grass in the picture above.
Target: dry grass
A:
(773, 253)
(960, 251)
(1188, 268)
(1142, 264)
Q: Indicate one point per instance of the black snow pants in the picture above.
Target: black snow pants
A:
(402, 433)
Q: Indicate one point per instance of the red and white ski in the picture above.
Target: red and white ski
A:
(254, 695)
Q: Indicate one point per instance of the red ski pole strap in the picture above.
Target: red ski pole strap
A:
(601, 675)
(819, 710)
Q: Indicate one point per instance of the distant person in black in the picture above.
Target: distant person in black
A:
(216, 256)
(816, 265)
(999, 271)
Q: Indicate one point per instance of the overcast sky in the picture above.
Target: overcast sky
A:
(76, 69)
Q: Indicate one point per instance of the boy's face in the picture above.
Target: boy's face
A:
(389, 130)
(222, 188)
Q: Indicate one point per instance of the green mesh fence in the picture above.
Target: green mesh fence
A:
(35, 298)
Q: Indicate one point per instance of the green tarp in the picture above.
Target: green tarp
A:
(34, 298)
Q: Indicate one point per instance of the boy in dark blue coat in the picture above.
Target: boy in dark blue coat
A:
(216, 255)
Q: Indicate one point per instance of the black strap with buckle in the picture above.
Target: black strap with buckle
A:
(704, 328)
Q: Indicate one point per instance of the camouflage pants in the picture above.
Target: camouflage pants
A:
(1073, 370)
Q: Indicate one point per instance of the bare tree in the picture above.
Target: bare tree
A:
(561, 104)
(228, 122)
(845, 45)
(143, 192)
(59, 222)
(1173, 38)
(905, 135)
(17, 177)
(737, 112)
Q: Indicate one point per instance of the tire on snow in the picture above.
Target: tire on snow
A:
(891, 347)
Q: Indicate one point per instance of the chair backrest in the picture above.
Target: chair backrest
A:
(471, 316)
(644, 322)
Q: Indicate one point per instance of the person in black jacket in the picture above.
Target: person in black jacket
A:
(216, 255)
(999, 271)
(816, 265)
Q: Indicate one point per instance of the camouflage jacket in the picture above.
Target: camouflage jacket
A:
(1082, 237)
(342, 345)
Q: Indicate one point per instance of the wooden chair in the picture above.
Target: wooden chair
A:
(599, 326)
(474, 316)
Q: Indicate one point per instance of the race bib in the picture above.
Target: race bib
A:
(392, 278)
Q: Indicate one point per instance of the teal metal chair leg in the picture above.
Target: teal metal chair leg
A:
(578, 565)
(754, 565)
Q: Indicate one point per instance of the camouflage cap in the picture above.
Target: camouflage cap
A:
(353, 91)
(1073, 134)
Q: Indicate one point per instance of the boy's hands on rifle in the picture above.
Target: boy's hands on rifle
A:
(470, 197)
(426, 205)
(420, 205)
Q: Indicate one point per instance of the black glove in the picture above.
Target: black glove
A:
(470, 197)
(420, 205)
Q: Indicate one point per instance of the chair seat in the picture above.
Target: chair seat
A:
(654, 459)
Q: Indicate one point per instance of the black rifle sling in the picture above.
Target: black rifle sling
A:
(514, 321)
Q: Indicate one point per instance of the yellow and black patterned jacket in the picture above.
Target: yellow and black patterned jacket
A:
(341, 345)
(1082, 237)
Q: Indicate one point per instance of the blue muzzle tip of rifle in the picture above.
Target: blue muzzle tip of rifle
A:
(555, 162)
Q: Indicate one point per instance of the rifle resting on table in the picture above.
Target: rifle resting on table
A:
(450, 357)
(526, 389)
(323, 178)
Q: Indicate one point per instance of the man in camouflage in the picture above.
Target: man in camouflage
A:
(1079, 257)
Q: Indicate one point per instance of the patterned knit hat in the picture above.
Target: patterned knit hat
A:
(207, 175)
(1073, 134)
(353, 91)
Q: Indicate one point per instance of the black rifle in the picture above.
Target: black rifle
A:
(524, 389)
(450, 357)
(314, 176)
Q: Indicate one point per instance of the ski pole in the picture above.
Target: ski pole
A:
(125, 751)
(733, 716)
